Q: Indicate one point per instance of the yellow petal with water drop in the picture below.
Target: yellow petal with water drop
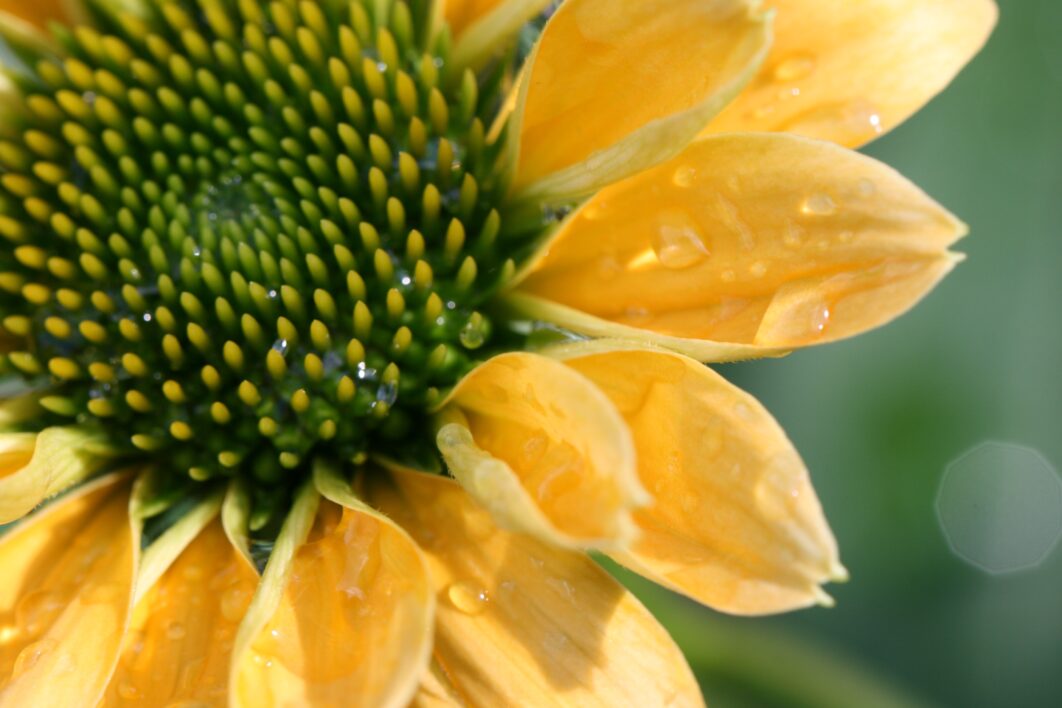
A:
(164, 550)
(180, 639)
(747, 244)
(545, 451)
(850, 71)
(482, 27)
(735, 523)
(66, 597)
(40, 466)
(519, 619)
(615, 86)
(344, 618)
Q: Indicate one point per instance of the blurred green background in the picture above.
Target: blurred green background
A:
(879, 418)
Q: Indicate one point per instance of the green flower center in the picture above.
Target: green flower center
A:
(241, 239)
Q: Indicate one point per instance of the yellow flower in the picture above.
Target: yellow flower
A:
(348, 327)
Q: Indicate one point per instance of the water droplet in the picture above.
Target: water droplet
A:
(678, 243)
(762, 112)
(472, 335)
(37, 610)
(533, 449)
(636, 316)
(104, 594)
(728, 276)
(820, 318)
(796, 66)
(608, 267)
(128, 691)
(563, 587)
(758, 269)
(794, 236)
(31, 654)
(468, 598)
(777, 491)
(281, 346)
(234, 602)
(684, 176)
(866, 187)
(819, 204)
(387, 393)
(175, 630)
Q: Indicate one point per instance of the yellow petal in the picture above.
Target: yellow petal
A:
(746, 244)
(520, 622)
(735, 523)
(849, 71)
(160, 555)
(40, 12)
(180, 639)
(483, 26)
(57, 459)
(436, 691)
(459, 14)
(615, 86)
(344, 619)
(65, 598)
(544, 450)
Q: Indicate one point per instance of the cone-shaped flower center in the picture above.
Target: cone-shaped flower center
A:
(240, 240)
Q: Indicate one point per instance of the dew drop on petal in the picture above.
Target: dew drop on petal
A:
(31, 654)
(128, 691)
(234, 602)
(819, 204)
(175, 630)
(678, 243)
(866, 187)
(796, 66)
(684, 176)
(37, 610)
(758, 269)
(468, 598)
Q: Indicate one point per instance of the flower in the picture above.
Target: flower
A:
(405, 306)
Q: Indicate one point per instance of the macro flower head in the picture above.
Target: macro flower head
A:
(345, 329)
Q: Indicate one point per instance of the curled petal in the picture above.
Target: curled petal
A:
(519, 619)
(68, 587)
(483, 26)
(735, 523)
(235, 518)
(342, 619)
(615, 86)
(747, 244)
(544, 450)
(850, 71)
(180, 639)
(37, 467)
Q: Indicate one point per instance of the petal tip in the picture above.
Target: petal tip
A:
(823, 598)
